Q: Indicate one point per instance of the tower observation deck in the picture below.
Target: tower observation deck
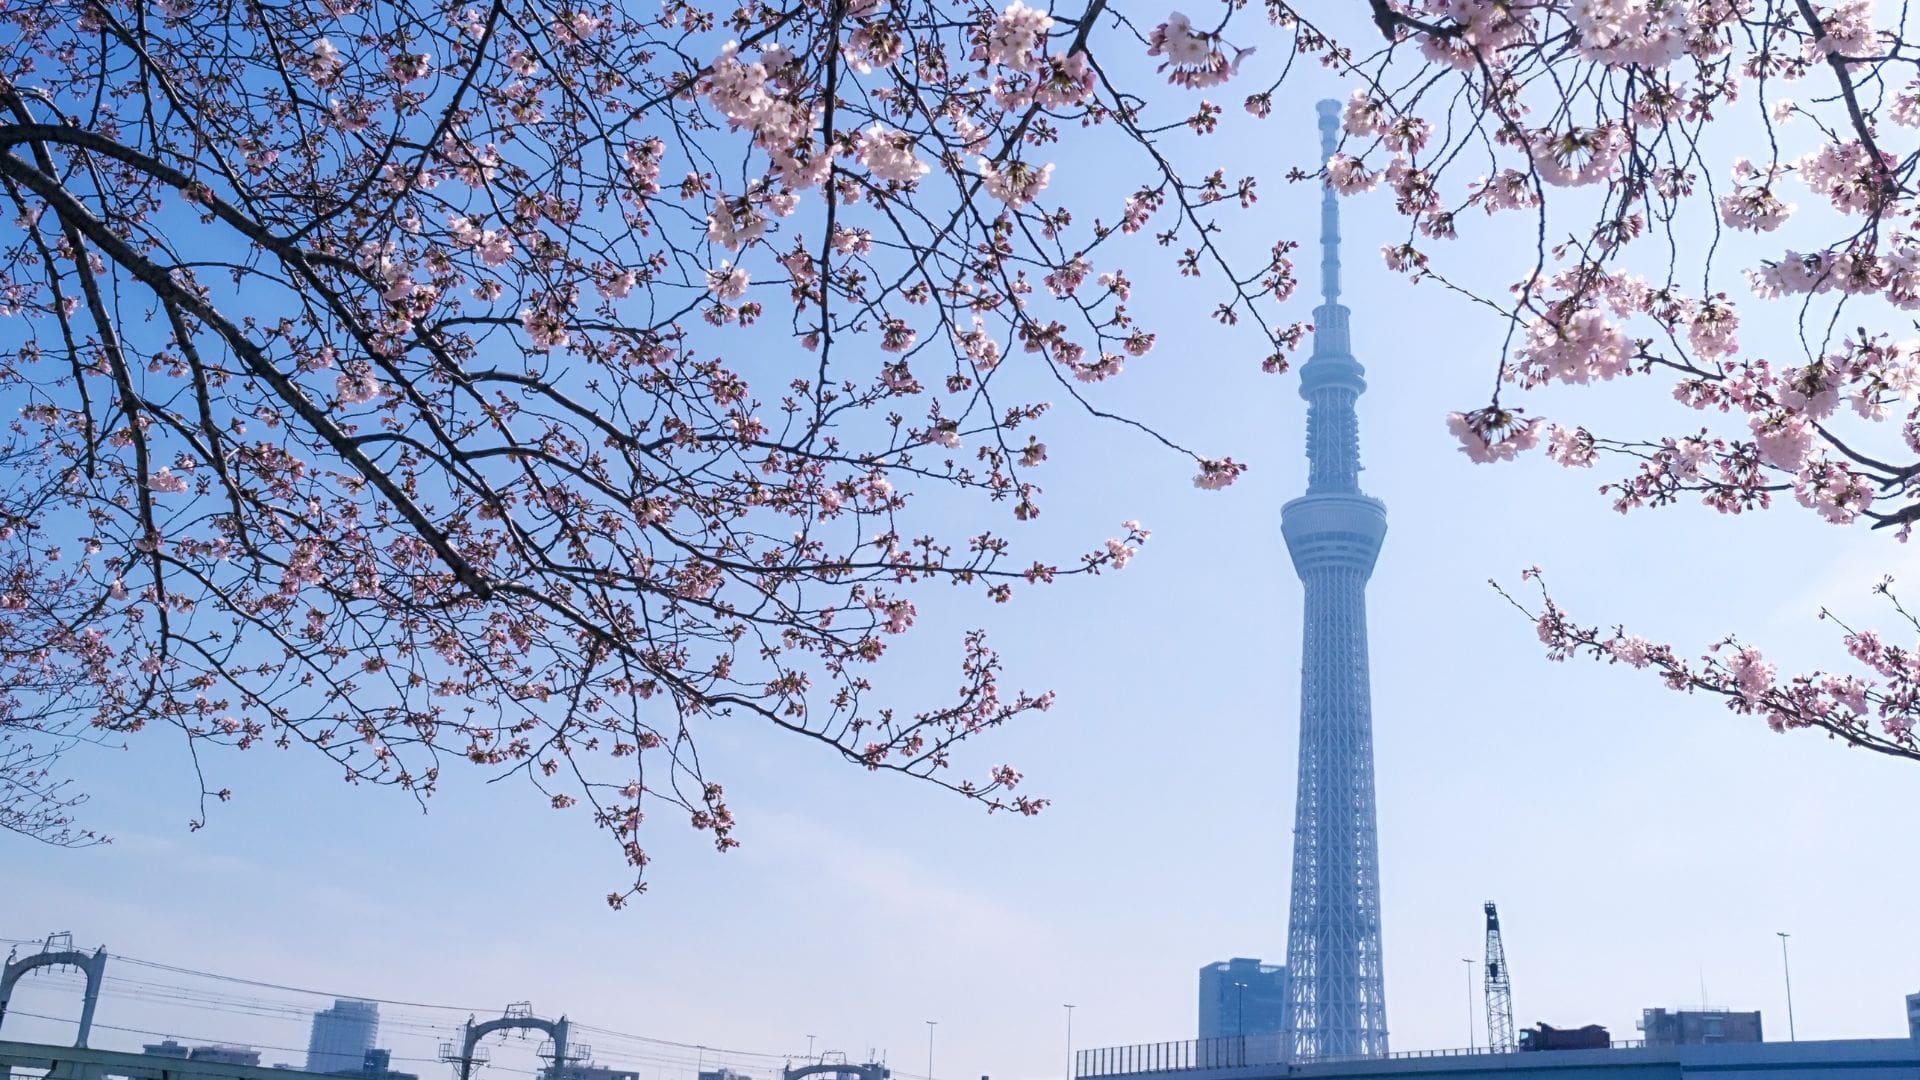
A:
(1334, 532)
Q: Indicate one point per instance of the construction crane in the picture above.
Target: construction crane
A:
(1499, 990)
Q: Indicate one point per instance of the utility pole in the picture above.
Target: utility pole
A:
(931, 1024)
(1787, 971)
(1069, 1009)
(1468, 960)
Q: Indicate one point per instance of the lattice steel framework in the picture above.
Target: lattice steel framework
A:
(1499, 987)
(1334, 532)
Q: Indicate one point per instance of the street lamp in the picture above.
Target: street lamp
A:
(931, 1024)
(1468, 960)
(1787, 972)
(809, 1048)
(1069, 1009)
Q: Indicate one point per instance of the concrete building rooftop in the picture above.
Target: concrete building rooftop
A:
(1840, 1059)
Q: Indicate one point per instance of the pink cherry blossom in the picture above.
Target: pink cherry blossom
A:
(357, 389)
(1852, 179)
(1217, 474)
(1784, 439)
(727, 281)
(1194, 59)
(323, 62)
(1490, 435)
(888, 154)
(1016, 37)
(1578, 156)
(1753, 206)
(1632, 32)
(733, 224)
(166, 482)
(1349, 176)
(1015, 182)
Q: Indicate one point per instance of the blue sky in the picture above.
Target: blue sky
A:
(1643, 846)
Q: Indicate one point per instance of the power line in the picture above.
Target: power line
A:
(204, 1039)
(290, 989)
(160, 992)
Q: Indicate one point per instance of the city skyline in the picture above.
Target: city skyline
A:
(1687, 1025)
(1645, 846)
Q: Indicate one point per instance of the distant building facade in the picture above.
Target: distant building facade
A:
(225, 1055)
(342, 1036)
(377, 1065)
(723, 1074)
(1242, 996)
(169, 1051)
(587, 1072)
(1699, 1027)
(1913, 1015)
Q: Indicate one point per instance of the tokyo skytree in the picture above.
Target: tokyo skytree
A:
(1336, 988)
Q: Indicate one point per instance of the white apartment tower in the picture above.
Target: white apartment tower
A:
(342, 1036)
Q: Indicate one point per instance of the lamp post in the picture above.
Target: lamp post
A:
(809, 1048)
(931, 1024)
(1787, 972)
(1468, 960)
(1240, 1009)
(1069, 1009)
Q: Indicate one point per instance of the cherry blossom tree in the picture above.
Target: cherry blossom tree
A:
(45, 688)
(533, 383)
(1654, 149)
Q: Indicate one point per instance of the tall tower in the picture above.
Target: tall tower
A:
(1334, 533)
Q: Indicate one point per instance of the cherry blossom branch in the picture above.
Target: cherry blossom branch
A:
(1876, 712)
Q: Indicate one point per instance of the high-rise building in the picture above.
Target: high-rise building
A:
(1242, 996)
(342, 1036)
(1699, 1027)
(1336, 985)
(1913, 1015)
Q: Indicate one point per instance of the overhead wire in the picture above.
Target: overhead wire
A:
(203, 1039)
(636, 1048)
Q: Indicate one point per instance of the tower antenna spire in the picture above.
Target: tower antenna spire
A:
(1329, 206)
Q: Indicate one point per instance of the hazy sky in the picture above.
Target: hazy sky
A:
(1644, 847)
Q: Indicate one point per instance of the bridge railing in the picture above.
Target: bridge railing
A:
(1242, 1051)
(1226, 1052)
